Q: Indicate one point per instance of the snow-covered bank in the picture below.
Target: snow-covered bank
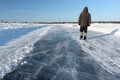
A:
(102, 46)
(15, 50)
(105, 28)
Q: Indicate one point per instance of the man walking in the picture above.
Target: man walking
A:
(84, 21)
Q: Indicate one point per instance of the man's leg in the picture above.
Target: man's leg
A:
(85, 33)
(81, 35)
(81, 32)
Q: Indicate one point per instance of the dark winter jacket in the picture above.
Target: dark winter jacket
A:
(84, 18)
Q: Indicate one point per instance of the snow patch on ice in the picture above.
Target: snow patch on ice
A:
(102, 44)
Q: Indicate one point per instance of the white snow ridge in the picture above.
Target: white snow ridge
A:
(55, 52)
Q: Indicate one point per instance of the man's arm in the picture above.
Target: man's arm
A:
(89, 22)
(79, 20)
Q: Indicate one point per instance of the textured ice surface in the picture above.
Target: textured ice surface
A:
(57, 56)
(13, 52)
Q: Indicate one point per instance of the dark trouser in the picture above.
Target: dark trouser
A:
(83, 29)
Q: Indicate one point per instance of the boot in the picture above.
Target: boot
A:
(84, 37)
(81, 37)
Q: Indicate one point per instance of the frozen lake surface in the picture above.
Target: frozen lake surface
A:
(58, 54)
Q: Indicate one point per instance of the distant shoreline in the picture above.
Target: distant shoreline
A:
(64, 22)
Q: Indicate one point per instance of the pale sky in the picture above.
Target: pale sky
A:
(58, 10)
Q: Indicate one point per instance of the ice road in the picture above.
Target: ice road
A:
(60, 55)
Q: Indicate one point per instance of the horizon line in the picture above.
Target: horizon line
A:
(2, 21)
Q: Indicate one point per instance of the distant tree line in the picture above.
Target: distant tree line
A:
(76, 22)
(2, 21)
